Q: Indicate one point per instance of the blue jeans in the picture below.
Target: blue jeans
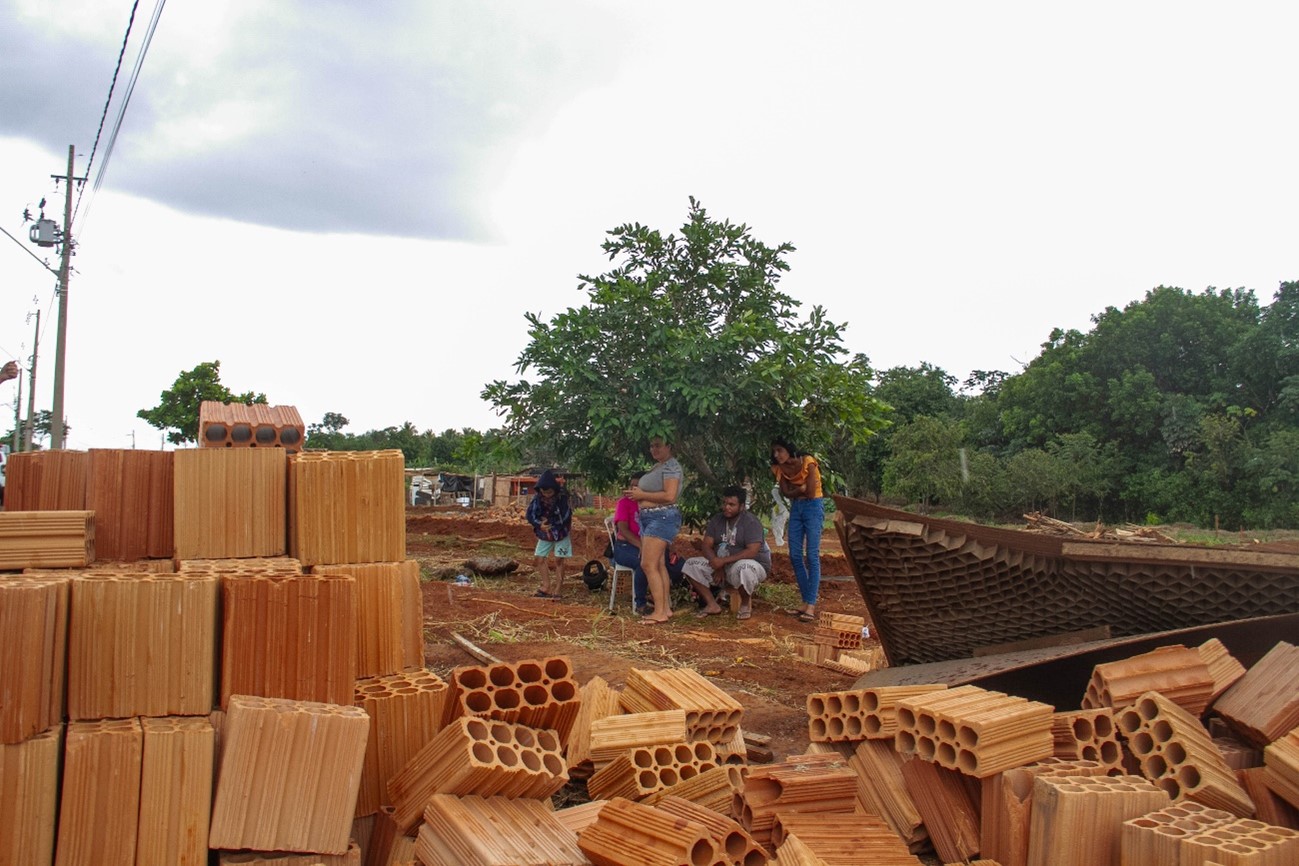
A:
(629, 555)
(806, 520)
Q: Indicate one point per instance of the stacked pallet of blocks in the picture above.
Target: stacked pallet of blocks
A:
(236, 425)
(346, 506)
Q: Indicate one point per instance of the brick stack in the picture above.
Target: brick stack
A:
(132, 495)
(46, 481)
(711, 714)
(46, 539)
(346, 506)
(229, 504)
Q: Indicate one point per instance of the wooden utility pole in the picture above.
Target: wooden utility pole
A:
(60, 339)
(30, 425)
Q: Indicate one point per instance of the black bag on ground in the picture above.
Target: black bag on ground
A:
(594, 575)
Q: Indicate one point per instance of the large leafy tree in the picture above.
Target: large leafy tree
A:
(177, 411)
(686, 336)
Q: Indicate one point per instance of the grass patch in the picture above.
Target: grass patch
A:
(779, 595)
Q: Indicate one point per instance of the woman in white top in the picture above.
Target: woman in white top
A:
(660, 521)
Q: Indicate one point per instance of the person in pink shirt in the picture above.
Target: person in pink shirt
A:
(626, 545)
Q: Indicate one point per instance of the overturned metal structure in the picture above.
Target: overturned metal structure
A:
(941, 589)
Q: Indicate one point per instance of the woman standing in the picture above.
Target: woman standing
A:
(799, 478)
(660, 521)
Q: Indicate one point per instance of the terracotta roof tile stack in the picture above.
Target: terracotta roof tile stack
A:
(256, 425)
(346, 506)
(141, 645)
(711, 714)
(46, 481)
(132, 495)
(46, 539)
(229, 504)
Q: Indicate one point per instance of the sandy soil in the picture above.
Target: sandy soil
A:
(756, 660)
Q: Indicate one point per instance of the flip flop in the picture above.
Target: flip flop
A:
(743, 613)
(804, 616)
(704, 614)
(789, 611)
(541, 593)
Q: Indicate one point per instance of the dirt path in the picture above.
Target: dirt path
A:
(756, 661)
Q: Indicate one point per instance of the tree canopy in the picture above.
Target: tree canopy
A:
(686, 336)
(177, 411)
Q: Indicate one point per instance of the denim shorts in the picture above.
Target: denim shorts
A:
(662, 523)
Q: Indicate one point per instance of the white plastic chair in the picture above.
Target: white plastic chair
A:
(614, 567)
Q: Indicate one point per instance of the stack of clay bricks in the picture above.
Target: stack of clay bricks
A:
(711, 714)
(1134, 777)
(235, 425)
(111, 672)
(837, 644)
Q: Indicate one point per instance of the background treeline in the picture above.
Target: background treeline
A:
(1180, 407)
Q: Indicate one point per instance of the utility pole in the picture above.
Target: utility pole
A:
(31, 386)
(60, 339)
(18, 406)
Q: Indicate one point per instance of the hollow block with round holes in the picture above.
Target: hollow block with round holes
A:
(1077, 819)
(539, 693)
(806, 783)
(974, 731)
(627, 832)
(493, 831)
(236, 425)
(1088, 735)
(643, 770)
(405, 713)
(1178, 755)
(1177, 672)
(711, 714)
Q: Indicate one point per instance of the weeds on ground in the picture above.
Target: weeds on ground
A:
(779, 595)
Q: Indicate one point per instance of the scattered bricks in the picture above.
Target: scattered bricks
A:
(840, 838)
(100, 800)
(1242, 842)
(974, 731)
(1268, 807)
(131, 493)
(613, 735)
(627, 832)
(289, 773)
(1087, 735)
(1077, 819)
(1006, 806)
(1180, 674)
(1177, 754)
(229, 504)
(837, 638)
(1264, 703)
(598, 701)
(389, 621)
(175, 792)
(236, 425)
(289, 636)
(878, 768)
(142, 645)
(639, 772)
(713, 789)
(34, 623)
(1238, 754)
(734, 844)
(711, 714)
(478, 756)
(46, 539)
(494, 831)
(346, 506)
(1281, 760)
(836, 717)
(279, 858)
(807, 783)
(1222, 665)
(46, 481)
(949, 809)
(386, 844)
(537, 693)
(1157, 837)
(405, 712)
(29, 797)
(840, 621)
(735, 750)
(880, 708)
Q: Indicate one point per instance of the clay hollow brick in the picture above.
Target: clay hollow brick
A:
(34, 623)
(1264, 703)
(539, 693)
(836, 717)
(1179, 673)
(1088, 735)
(236, 425)
(405, 712)
(711, 713)
(806, 783)
(974, 731)
(644, 770)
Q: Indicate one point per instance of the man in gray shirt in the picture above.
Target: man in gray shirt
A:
(735, 555)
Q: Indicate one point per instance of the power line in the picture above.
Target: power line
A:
(29, 252)
(126, 101)
(104, 114)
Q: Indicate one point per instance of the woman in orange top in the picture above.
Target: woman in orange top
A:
(799, 478)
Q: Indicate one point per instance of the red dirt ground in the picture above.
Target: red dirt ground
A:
(755, 661)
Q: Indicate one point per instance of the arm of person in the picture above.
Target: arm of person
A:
(667, 496)
(749, 551)
(624, 533)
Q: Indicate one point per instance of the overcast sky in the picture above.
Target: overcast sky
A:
(352, 205)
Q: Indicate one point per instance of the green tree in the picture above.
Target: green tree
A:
(178, 407)
(686, 336)
(925, 467)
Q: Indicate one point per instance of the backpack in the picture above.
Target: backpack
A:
(594, 574)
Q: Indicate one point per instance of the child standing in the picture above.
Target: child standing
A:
(552, 522)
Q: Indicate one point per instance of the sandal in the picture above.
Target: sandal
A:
(541, 593)
(744, 613)
(804, 616)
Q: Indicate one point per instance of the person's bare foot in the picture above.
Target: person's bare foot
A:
(707, 611)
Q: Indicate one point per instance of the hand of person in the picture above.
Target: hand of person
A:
(9, 371)
(716, 562)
